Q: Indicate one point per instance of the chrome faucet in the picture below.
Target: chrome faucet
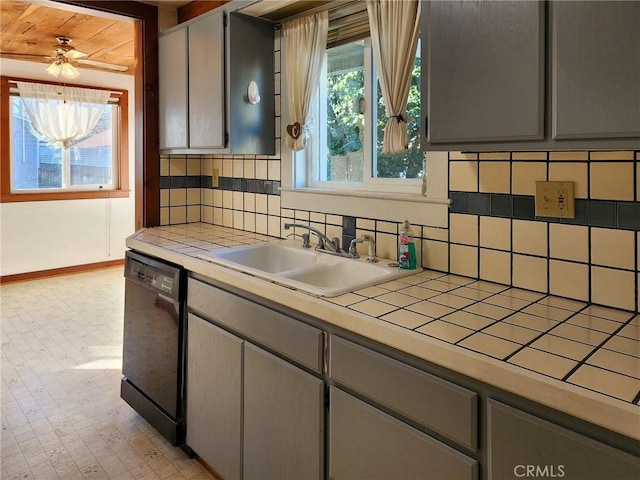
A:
(325, 244)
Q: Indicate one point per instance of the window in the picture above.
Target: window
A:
(94, 166)
(345, 150)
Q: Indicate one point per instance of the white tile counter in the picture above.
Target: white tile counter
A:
(580, 359)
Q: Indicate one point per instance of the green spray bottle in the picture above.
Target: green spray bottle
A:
(406, 248)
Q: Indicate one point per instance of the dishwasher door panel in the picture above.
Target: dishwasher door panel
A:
(151, 338)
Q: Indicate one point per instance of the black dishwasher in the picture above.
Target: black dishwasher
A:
(153, 343)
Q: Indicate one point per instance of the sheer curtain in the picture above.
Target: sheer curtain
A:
(62, 115)
(305, 41)
(395, 28)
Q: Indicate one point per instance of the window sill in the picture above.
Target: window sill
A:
(431, 211)
(50, 196)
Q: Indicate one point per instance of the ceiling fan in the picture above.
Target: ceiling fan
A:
(63, 58)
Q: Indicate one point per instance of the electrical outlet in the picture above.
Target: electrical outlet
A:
(555, 199)
(215, 182)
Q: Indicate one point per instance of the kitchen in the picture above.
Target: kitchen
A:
(597, 264)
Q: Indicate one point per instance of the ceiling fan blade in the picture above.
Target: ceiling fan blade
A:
(95, 63)
(74, 54)
(16, 54)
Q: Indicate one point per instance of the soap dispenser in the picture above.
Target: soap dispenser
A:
(406, 248)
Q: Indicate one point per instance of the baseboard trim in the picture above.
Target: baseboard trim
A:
(54, 272)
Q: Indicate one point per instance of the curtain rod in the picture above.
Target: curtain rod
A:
(331, 7)
(13, 86)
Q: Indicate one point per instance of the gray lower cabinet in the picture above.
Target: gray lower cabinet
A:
(366, 443)
(214, 396)
(253, 414)
(522, 445)
(283, 419)
(440, 406)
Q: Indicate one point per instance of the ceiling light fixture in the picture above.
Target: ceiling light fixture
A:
(61, 65)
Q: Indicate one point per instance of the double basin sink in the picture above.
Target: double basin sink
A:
(307, 270)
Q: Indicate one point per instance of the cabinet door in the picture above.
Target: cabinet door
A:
(365, 443)
(283, 419)
(214, 396)
(596, 69)
(521, 445)
(206, 82)
(485, 67)
(172, 96)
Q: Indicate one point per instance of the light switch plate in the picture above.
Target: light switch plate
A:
(555, 199)
(215, 181)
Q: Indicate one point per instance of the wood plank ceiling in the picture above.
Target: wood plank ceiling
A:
(28, 32)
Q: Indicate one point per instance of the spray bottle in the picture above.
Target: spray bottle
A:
(406, 248)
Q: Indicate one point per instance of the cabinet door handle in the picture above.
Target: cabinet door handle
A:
(325, 352)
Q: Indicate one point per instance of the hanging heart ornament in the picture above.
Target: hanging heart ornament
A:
(294, 130)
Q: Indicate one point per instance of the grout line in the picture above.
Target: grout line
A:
(598, 347)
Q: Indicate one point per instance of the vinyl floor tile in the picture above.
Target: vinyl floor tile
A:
(62, 415)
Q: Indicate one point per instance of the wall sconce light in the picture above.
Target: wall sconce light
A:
(253, 95)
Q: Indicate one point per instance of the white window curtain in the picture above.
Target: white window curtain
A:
(62, 115)
(305, 41)
(395, 28)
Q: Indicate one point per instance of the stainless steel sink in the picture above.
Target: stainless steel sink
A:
(305, 269)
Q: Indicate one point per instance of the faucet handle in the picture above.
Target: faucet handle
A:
(336, 243)
(305, 240)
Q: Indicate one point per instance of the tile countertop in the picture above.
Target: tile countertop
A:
(577, 358)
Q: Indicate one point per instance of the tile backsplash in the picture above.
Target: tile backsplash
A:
(493, 232)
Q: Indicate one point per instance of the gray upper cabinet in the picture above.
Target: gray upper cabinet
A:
(529, 75)
(173, 101)
(206, 65)
(518, 441)
(206, 82)
(485, 64)
(596, 69)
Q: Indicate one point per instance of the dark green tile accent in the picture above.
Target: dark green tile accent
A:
(501, 205)
(602, 213)
(349, 226)
(459, 202)
(524, 207)
(479, 203)
(629, 215)
(582, 213)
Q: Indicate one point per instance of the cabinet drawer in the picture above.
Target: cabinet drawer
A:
(285, 335)
(365, 443)
(435, 403)
(520, 442)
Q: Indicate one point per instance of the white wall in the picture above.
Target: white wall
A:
(44, 235)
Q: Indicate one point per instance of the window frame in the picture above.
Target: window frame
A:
(121, 174)
(314, 153)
